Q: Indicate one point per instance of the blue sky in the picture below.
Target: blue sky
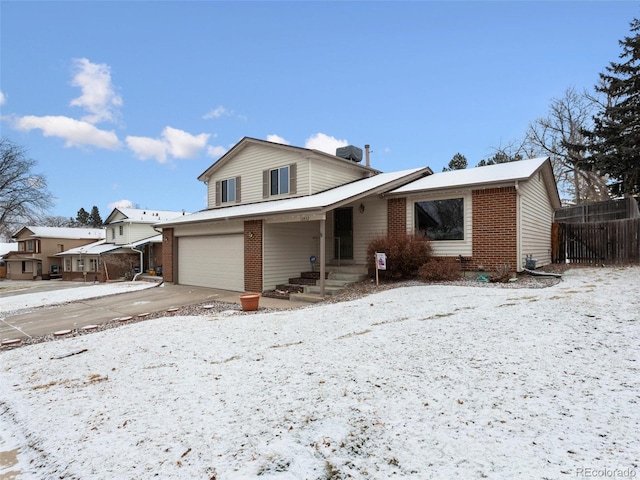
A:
(126, 102)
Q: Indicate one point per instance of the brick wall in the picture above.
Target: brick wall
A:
(396, 217)
(168, 241)
(494, 228)
(253, 256)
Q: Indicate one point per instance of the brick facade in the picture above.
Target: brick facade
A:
(168, 241)
(396, 217)
(253, 256)
(494, 231)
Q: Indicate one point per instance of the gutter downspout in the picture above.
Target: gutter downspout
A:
(518, 228)
(141, 263)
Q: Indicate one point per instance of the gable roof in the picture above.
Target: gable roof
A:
(139, 215)
(486, 176)
(246, 141)
(317, 203)
(62, 232)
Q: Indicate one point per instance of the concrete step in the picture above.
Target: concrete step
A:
(348, 277)
(356, 269)
(315, 289)
(305, 298)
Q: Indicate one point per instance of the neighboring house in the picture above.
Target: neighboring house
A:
(131, 242)
(4, 249)
(273, 209)
(36, 255)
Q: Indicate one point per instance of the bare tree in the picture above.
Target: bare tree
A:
(560, 136)
(514, 151)
(55, 221)
(23, 194)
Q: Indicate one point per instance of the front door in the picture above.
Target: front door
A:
(343, 233)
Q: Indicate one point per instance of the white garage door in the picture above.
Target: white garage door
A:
(212, 261)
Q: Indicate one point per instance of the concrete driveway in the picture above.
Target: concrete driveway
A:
(46, 320)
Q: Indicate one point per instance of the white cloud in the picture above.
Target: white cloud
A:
(174, 142)
(3, 98)
(216, 113)
(182, 144)
(145, 148)
(277, 139)
(98, 97)
(121, 204)
(324, 143)
(74, 132)
(216, 151)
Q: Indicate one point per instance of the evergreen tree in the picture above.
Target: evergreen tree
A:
(614, 143)
(500, 157)
(82, 219)
(458, 162)
(95, 220)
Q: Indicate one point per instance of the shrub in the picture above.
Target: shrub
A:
(405, 255)
(440, 270)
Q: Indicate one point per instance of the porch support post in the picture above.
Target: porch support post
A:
(322, 256)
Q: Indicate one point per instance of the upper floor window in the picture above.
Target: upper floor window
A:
(29, 246)
(279, 181)
(60, 248)
(440, 219)
(113, 233)
(228, 192)
(120, 230)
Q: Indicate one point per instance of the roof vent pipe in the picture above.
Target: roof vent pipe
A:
(366, 150)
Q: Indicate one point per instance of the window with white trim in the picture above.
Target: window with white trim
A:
(93, 265)
(440, 219)
(228, 190)
(279, 181)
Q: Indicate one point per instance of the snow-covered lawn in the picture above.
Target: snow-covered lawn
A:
(418, 382)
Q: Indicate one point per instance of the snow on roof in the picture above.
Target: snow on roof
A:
(95, 248)
(65, 232)
(8, 247)
(149, 216)
(153, 239)
(317, 201)
(502, 172)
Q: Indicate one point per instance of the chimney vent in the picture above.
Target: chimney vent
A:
(366, 149)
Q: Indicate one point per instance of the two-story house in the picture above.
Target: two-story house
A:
(275, 209)
(36, 256)
(131, 246)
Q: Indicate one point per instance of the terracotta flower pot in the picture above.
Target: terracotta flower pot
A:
(249, 301)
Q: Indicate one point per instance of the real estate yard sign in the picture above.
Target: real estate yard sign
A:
(381, 263)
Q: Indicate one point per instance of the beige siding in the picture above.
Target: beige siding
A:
(326, 174)
(288, 247)
(367, 225)
(536, 217)
(249, 165)
(313, 174)
(448, 248)
(131, 232)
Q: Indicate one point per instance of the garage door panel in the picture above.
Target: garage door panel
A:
(215, 261)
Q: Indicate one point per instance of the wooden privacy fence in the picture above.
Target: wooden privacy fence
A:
(612, 242)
